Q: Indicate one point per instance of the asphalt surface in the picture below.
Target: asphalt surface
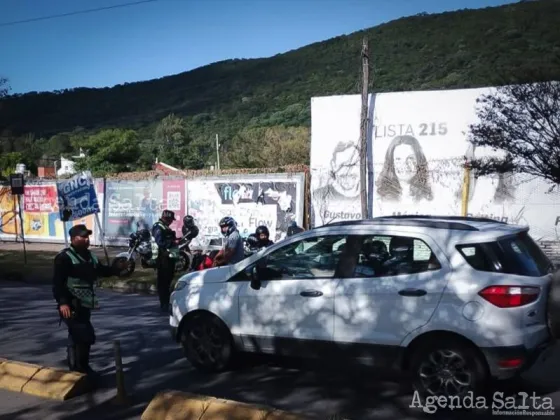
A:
(29, 332)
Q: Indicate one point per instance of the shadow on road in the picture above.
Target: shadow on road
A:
(30, 332)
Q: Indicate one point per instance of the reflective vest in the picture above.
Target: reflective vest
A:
(82, 289)
(173, 251)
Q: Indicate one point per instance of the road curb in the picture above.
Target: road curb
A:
(41, 381)
(176, 405)
(120, 286)
(130, 286)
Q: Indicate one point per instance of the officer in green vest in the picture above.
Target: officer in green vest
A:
(76, 270)
(167, 253)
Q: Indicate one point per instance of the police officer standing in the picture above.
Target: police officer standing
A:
(76, 270)
(166, 241)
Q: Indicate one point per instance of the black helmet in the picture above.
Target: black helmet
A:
(262, 229)
(188, 221)
(229, 222)
(252, 241)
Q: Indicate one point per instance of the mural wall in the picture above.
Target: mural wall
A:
(41, 220)
(139, 203)
(417, 144)
(272, 199)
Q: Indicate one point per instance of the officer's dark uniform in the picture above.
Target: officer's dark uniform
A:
(165, 239)
(75, 274)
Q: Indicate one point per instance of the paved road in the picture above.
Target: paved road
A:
(29, 332)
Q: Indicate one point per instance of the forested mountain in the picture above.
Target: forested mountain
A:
(267, 100)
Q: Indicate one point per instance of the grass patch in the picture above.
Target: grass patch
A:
(39, 268)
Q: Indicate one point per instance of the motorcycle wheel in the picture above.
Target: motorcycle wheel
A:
(182, 264)
(130, 266)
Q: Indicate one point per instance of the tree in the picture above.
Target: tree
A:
(170, 134)
(264, 147)
(109, 151)
(522, 123)
(8, 162)
(4, 87)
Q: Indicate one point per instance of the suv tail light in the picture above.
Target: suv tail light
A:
(510, 296)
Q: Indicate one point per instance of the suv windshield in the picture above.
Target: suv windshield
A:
(517, 254)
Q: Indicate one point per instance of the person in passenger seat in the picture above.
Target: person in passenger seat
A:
(375, 253)
(402, 256)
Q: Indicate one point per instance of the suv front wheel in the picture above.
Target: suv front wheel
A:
(448, 368)
(207, 342)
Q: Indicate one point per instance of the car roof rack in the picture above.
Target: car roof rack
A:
(430, 216)
(434, 224)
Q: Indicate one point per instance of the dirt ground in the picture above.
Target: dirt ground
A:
(38, 267)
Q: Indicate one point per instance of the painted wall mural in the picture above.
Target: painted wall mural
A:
(41, 220)
(417, 146)
(270, 200)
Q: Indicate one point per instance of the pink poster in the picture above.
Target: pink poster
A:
(174, 199)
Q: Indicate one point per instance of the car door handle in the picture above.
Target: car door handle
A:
(412, 292)
(311, 293)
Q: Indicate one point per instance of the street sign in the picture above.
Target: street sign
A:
(77, 197)
(17, 184)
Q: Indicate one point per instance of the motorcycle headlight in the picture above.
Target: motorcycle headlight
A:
(180, 285)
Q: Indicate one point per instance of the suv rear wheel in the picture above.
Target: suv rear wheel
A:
(207, 342)
(448, 368)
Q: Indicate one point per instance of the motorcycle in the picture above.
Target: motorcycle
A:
(203, 256)
(139, 245)
(142, 245)
(185, 257)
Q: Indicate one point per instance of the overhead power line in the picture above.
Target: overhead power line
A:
(79, 12)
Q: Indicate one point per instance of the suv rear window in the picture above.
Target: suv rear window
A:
(517, 254)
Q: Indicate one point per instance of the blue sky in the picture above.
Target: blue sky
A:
(166, 37)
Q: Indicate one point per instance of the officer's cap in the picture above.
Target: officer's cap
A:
(79, 230)
(168, 214)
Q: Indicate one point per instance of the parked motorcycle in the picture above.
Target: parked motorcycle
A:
(203, 256)
(139, 246)
(142, 245)
(185, 257)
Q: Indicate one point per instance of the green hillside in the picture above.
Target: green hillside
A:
(251, 100)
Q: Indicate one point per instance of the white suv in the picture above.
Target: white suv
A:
(453, 300)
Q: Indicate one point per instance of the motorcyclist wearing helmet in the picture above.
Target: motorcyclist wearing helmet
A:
(232, 251)
(260, 239)
(189, 229)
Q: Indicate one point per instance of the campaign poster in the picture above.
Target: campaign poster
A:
(417, 146)
(132, 205)
(9, 222)
(273, 201)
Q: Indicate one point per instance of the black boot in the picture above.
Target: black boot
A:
(71, 358)
(83, 357)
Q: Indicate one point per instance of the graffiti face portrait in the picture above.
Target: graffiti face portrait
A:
(345, 169)
(406, 165)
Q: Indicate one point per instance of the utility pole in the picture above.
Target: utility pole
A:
(217, 153)
(363, 128)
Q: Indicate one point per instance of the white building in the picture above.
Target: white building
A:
(67, 165)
